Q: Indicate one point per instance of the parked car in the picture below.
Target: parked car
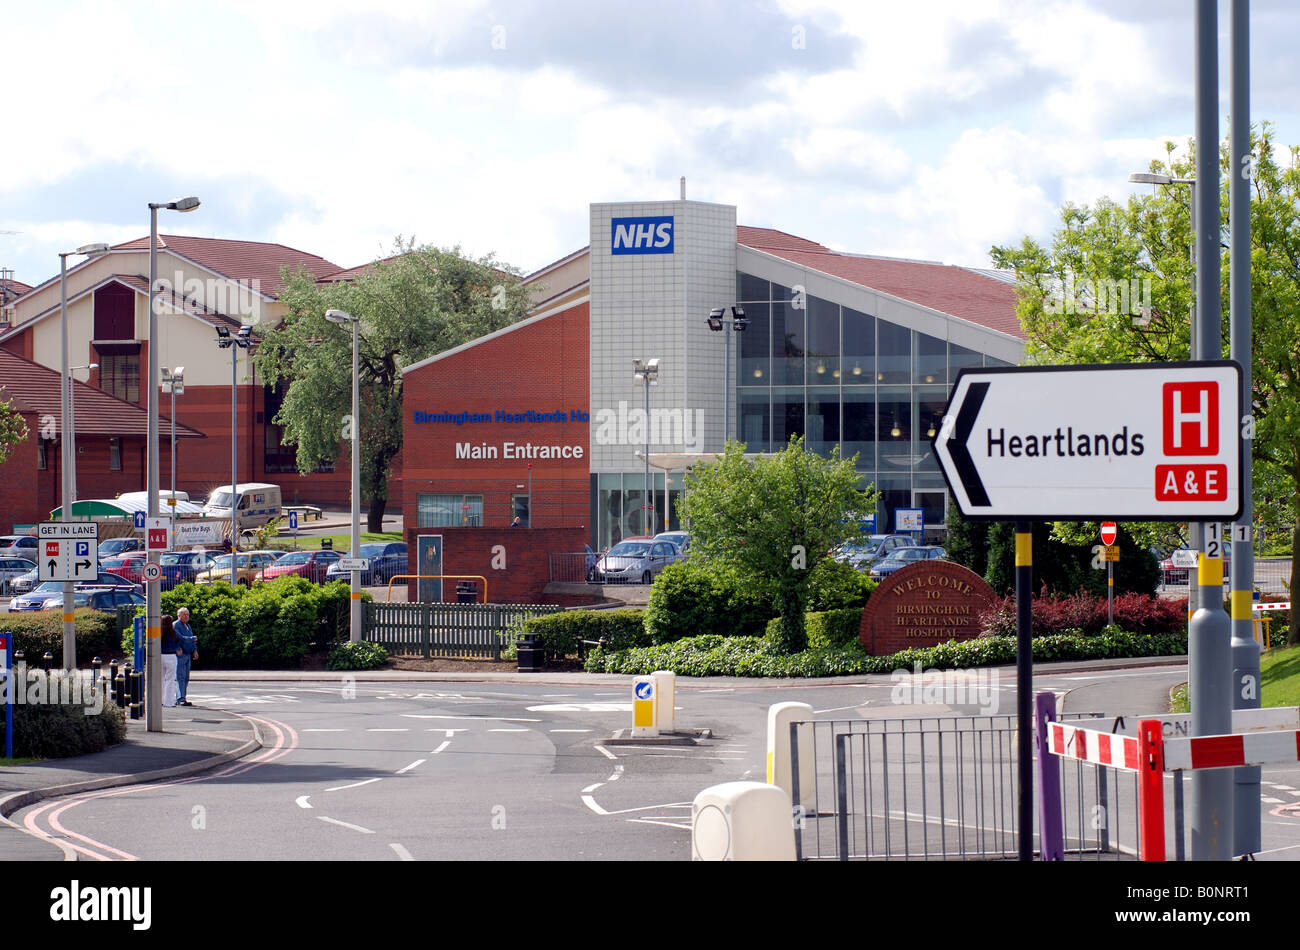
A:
(18, 545)
(129, 565)
(1175, 576)
(14, 567)
(97, 598)
(178, 567)
(680, 538)
(259, 502)
(863, 552)
(387, 558)
(115, 546)
(313, 565)
(248, 567)
(634, 562)
(901, 557)
(24, 583)
(36, 598)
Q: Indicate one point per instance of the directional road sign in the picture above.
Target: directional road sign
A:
(139, 520)
(354, 564)
(157, 534)
(67, 551)
(1140, 441)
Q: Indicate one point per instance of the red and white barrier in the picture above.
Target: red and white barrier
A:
(1089, 745)
(1270, 605)
(1226, 752)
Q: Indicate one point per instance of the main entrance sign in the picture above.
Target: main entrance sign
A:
(1148, 441)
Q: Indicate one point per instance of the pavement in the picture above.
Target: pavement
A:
(196, 739)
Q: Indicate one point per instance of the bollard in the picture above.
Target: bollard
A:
(643, 708)
(137, 694)
(119, 688)
(112, 681)
(665, 700)
(780, 769)
(46, 661)
(742, 821)
(95, 666)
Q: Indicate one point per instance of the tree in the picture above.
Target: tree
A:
(413, 305)
(1072, 310)
(13, 430)
(773, 519)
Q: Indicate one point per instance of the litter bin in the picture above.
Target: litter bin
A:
(467, 592)
(531, 655)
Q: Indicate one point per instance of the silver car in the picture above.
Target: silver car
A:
(634, 562)
(11, 568)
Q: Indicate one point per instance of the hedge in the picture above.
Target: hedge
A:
(36, 633)
(268, 625)
(827, 628)
(690, 599)
(1140, 613)
(731, 656)
(560, 633)
(54, 729)
(357, 656)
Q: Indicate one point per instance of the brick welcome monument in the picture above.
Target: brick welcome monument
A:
(924, 604)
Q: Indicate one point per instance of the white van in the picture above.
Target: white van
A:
(258, 503)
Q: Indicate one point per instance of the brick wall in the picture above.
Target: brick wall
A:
(527, 559)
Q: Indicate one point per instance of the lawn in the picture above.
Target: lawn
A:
(340, 542)
(1279, 675)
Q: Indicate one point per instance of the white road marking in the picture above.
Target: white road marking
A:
(301, 801)
(570, 730)
(416, 764)
(1272, 801)
(661, 822)
(605, 752)
(591, 803)
(618, 774)
(490, 718)
(509, 730)
(324, 730)
(402, 853)
(592, 788)
(818, 712)
(580, 707)
(339, 788)
(731, 689)
(388, 730)
(344, 824)
(556, 695)
(445, 743)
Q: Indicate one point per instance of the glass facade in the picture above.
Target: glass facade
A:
(843, 378)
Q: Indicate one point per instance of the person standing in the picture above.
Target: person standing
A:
(189, 652)
(171, 649)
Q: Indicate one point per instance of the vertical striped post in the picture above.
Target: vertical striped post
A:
(1151, 788)
(1025, 684)
(1051, 835)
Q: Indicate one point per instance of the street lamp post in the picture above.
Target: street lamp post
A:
(342, 317)
(174, 383)
(67, 430)
(153, 592)
(717, 322)
(240, 340)
(647, 371)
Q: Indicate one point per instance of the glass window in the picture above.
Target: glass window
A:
(930, 364)
(755, 420)
(789, 341)
(859, 348)
(115, 455)
(927, 409)
(787, 415)
(822, 422)
(447, 511)
(895, 353)
(40, 454)
(519, 509)
(961, 358)
(823, 342)
(990, 361)
(894, 429)
(860, 427)
(751, 288)
(119, 375)
(609, 509)
(755, 346)
(895, 492)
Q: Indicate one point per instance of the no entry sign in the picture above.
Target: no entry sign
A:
(1109, 531)
(1148, 441)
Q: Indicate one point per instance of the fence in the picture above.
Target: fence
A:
(572, 568)
(1271, 577)
(938, 788)
(445, 629)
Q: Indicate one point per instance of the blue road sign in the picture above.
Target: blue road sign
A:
(83, 549)
(645, 690)
(139, 521)
(293, 521)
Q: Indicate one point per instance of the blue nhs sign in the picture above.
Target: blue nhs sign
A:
(641, 235)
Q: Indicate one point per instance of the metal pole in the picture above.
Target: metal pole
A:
(530, 494)
(234, 462)
(355, 632)
(1195, 536)
(1209, 657)
(1245, 653)
(649, 507)
(1110, 593)
(173, 498)
(1025, 686)
(726, 387)
(69, 483)
(153, 592)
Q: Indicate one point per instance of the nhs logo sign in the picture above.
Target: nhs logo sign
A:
(641, 235)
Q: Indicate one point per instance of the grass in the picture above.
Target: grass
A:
(1279, 676)
(15, 761)
(341, 542)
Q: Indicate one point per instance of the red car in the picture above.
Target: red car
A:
(309, 564)
(129, 566)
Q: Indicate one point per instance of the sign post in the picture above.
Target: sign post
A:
(1143, 441)
(1109, 532)
(6, 679)
(293, 526)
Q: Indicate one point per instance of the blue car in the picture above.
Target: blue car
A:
(387, 558)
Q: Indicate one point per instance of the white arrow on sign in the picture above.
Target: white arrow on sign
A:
(1136, 441)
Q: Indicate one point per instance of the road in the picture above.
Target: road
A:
(501, 771)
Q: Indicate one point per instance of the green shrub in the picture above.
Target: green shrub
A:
(828, 628)
(560, 633)
(834, 585)
(356, 656)
(34, 634)
(50, 728)
(691, 599)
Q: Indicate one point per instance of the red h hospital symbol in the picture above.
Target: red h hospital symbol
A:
(1191, 418)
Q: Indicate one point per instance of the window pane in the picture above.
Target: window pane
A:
(823, 341)
(823, 420)
(751, 288)
(787, 415)
(860, 426)
(789, 341)
(859, 348)
(755, 345)
(928, 406)
(894, 429)
(931, 363)
(754, 429)
(895, 355)
(961, 358)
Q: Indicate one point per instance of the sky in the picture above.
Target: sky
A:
(928, 129)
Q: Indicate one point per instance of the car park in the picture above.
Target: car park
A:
(129, 565)
(24, 583)
(179, 567)
(249, 566)
(14, 567)
(112, 547)
(18, 545)
(313, 565)
(901, 557)
(387, 559)
(863, 552)
(680, 538)
(36, 598)
(634, 562)
(96, 598)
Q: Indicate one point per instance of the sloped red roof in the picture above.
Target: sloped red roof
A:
(34, 388)
(13, 288)
(957, 291)
(244, 261)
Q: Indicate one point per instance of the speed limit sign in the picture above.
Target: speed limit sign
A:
(152, 572)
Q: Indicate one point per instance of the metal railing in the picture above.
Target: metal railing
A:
(573, 568)
(934, 788)
(446, 630)
(1272, 577)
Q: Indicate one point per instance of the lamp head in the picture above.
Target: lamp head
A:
(1150, 178)
(338, 316)
(184, 204)
(715, 319)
